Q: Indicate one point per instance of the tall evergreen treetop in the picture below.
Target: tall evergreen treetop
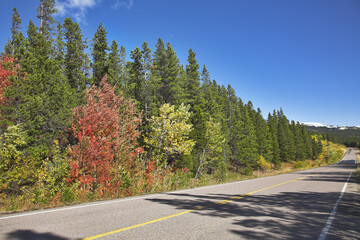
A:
(45, 10)
(76, 60)
(15, 32)
(192, 78)
(114, 64)
(99, 54)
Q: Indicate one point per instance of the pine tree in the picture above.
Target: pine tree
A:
(248, 145)
(43, 98)
(300, 151)
(76, 60)
(263, 136)
(192, 79)
(285, 138)
(99, 55)
(15, 31)
(170, 86)
(135, 85)
(148, 92)
(114, 65)
(307, 142)
(120, 87)
(59, 54)
(45, 10)
(273, 128)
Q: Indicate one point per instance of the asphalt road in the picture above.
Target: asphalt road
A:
(288, 206)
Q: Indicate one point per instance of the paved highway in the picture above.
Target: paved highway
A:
(300, 205)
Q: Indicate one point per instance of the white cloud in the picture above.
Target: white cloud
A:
(124, 4)
(77, 8)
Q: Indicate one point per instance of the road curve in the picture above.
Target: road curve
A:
(289, 206)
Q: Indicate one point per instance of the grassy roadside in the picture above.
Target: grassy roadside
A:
(331, 154)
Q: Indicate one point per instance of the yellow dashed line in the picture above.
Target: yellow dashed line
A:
(192, 210)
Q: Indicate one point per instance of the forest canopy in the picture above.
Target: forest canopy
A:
(81, 120)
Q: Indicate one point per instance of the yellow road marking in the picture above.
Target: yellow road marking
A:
(192, 210)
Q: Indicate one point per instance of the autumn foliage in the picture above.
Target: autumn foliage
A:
(107, 129)
(7, 69)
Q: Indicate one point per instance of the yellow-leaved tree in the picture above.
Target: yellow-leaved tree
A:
(168, 136)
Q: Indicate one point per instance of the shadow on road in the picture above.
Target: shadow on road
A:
(286, 215)
(32, 235)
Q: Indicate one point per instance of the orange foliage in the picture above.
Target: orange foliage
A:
(107, 129)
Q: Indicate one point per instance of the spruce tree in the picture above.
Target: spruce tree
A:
(114, 65)
(171, 88)
(99, 55)
(300, 151)
(192, 78)
(45, 10)
(285, 138)
(148, 91)
(135, 85)
(274, 147)
(76, 60)
(59, 54)
(43, 99)
(15, 31)
(262, 136)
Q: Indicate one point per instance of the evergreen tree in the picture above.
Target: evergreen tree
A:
(170, 86)
(192, 79)
(45, 10)
(43, 98)
(285, 138)
(99, 55)
(76, 60)
(306, 141)
(263, 136)
(59, 46)
(148, 93)
(123, 71)
(15, 32)
(135, 85)
(248, 145)
(114, 62)
(274, 147)
(300, 151)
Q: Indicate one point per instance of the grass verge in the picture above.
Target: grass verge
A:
(21, 203)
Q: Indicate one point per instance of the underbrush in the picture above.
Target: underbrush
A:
(148, 178)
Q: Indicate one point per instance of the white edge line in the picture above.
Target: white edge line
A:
(113, 201)
(333, 212)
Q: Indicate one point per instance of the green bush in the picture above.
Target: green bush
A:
(247, 171)
(302, 164)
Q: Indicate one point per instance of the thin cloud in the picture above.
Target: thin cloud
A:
(77, 8)
(128, 5)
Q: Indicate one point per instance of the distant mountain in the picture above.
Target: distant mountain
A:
(321, 125)
(347, 135)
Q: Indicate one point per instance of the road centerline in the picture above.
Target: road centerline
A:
(225, 201)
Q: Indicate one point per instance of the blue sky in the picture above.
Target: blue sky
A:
(301, 55)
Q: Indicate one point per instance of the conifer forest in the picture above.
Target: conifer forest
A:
(84, 120)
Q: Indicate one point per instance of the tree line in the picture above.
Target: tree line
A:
(98, 123)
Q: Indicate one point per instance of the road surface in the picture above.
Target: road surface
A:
(300, 205)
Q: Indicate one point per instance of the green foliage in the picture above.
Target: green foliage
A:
(99, 55)
(12, 165)
(168, 137)
(302, 164)
(189, 121)
(211, 156)
(263, 164)
(76, 60)
(247, 171)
